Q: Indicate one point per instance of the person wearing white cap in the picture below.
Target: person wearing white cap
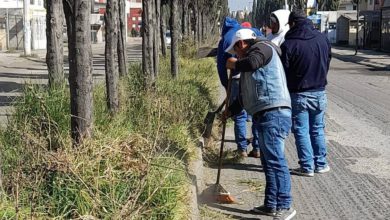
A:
(265, 95)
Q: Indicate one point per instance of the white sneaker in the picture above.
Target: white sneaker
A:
(286, 214)
(322, 170)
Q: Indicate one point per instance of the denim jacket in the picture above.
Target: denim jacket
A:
(266, 87)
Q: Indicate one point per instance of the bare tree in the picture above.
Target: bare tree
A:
(147, 41)
(112, 75)
(163, 28)
(156, 37)
(77, 14)
(55, 51)
(184, 18)
(122, 58)
(174, 39)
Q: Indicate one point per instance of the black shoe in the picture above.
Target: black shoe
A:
(240, 153)
(254, 153)
(301, 172)
(262, 210)
(285, 214)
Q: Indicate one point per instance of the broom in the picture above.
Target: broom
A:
(222, 195)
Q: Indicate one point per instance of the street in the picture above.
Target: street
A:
(358, 139)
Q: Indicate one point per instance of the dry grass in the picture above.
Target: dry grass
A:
(133, 168)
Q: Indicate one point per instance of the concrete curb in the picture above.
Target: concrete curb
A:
(195, 171)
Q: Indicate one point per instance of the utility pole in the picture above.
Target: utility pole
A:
(26, 28)
(7, 28)
(357, 27)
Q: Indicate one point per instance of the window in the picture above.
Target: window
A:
(139, 18)
(133, 18)
(133, 25)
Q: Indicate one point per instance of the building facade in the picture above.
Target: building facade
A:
(385, 26)
(11, 24)
(134, 17)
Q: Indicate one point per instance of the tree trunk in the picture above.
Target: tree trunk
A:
(77, 14)
(55, 50)
(163, 29)
(147, 42)
(156, 39)
(188, 22)
(174, 39)
(196, 21)
(112, 75)
(184, 18)
(199, 21)
(122, 57)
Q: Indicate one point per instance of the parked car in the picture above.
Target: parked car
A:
(168, 38)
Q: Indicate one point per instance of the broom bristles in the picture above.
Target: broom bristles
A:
(225, 198)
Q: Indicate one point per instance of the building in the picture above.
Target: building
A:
(329, 24)
(11, 24)
(134, 17)
(385, 26)
(346, 28)
(347, 5)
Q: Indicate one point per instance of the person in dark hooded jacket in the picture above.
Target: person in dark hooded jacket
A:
(306, 55)
(229, 28)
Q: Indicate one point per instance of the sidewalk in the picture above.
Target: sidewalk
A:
(374, 59)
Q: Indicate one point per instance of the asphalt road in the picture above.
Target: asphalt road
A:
(358, 140)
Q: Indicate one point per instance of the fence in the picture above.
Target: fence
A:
(11, 29)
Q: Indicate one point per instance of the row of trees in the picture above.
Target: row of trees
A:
(194, 20)
(77, 17)
(191, 20)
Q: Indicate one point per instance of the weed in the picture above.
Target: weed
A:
(254, 185)
(208, 214)
(134, 167)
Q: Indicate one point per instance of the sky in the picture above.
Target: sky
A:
(235, 5)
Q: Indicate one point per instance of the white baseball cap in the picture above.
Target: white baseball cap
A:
(242, 34)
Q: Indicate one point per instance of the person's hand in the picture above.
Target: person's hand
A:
(231, 63)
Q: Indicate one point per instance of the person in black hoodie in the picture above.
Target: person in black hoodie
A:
(306, 55)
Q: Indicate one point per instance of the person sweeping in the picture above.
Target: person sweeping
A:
(265, 95)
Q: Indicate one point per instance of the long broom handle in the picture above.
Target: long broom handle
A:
(224, 129)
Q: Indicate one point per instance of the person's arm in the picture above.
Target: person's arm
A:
(222, 56)
(285, 58)
(258, 56)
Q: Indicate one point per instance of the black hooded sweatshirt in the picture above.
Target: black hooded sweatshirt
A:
(306, 55)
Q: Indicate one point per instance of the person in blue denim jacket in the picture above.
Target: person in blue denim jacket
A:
(230, 26)
(306, 55)
(264, 95)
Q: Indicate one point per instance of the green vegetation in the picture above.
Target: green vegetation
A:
(133, 167)
(208, 214)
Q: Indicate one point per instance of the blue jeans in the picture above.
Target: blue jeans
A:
(273, 127)
(308, 110)
(240, 121)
